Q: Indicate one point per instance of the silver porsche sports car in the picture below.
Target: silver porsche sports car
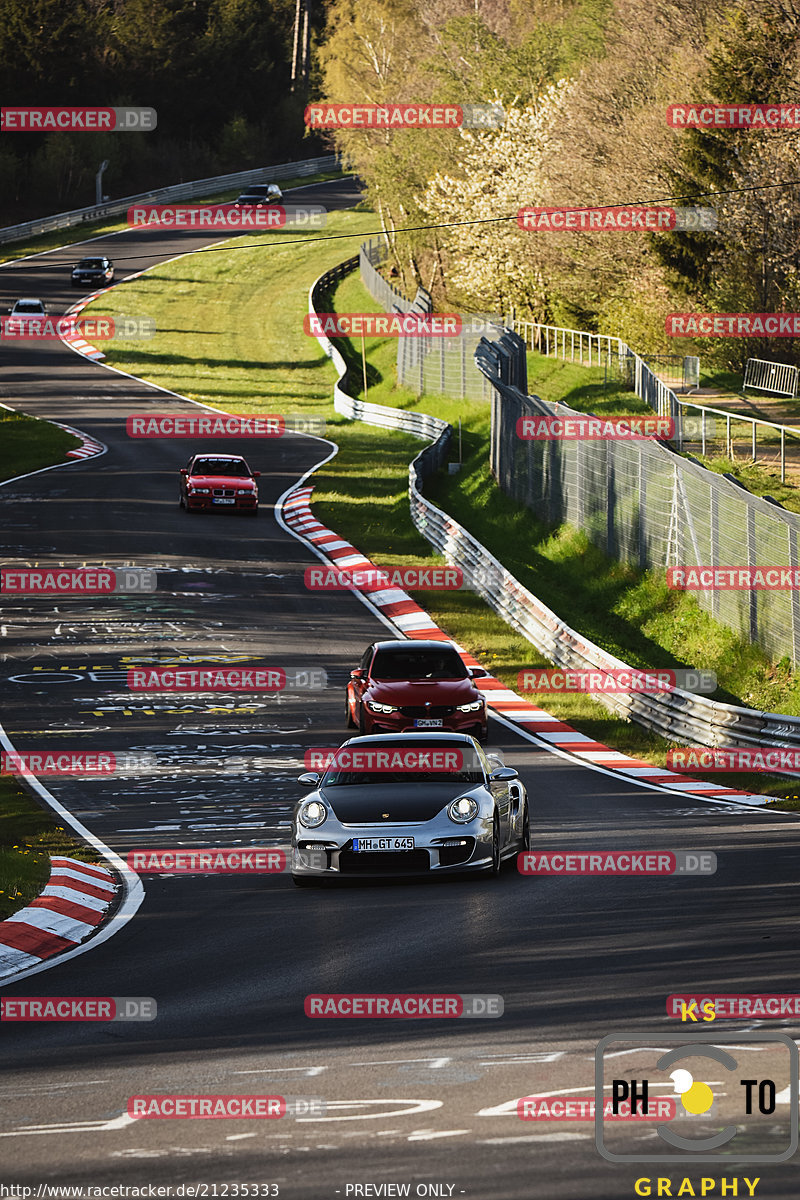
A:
(400, 804)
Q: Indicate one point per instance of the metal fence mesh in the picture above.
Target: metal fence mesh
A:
(644, 505)
(442, 365)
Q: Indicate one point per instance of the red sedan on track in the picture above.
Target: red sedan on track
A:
(414, 684)
(220, 481)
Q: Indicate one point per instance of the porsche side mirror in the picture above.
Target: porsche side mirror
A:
(309, 779)
(256, 474)
(504, 774)
(184, 470)
(478, 673)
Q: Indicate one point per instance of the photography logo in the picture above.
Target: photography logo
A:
(736, 1096)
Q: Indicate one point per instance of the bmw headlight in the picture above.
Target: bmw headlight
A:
(381, 708)
(244, 491)
(463, 810)
(473, 706)
(196, 491)
(312, 813)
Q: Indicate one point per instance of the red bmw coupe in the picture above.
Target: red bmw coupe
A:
(404, 685)
(219, 481)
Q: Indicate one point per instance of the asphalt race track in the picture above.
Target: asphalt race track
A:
(229, 959)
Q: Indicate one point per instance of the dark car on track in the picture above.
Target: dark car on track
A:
(408, 804)
(219, 481)
(92, 270)
(259, 195)
(406, 685)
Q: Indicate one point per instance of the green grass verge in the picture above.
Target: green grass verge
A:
(91, 229)
(27, 833)
(262, 362)
(27, 444)
(29, 836)
(758, 479)
(586, 389)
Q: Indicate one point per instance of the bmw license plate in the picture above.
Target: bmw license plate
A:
(221, 500)
(361, 845)
(428, 723)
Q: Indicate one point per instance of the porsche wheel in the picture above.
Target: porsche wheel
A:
(526, 829)
(493, 872)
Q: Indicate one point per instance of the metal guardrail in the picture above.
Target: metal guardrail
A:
(419, 424)
(176, 191)
(680, 716)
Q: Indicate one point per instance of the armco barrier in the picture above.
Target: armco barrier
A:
(176, 191)
(419, 424)
(680, 716)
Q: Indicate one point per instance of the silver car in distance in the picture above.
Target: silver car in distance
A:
(400, 804)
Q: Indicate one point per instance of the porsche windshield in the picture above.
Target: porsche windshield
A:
(410, 764)
(418, 664)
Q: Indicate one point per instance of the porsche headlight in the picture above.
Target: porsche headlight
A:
(381, 708)
(463, 810)
(473, 706)
(312, 813)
